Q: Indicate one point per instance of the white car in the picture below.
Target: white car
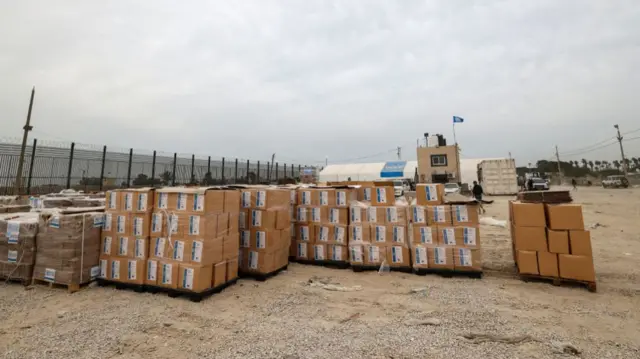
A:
(398, 187)
(451, 188)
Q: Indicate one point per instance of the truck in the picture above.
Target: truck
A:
(498, 176)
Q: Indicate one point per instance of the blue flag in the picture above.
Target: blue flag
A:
(457, 119)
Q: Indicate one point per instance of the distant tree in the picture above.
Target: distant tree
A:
(591, 165)
(584, 163)
(635, 161)
(144, 180)
(166, 178)
(616, 164)
(598, 164)
(90, 181)
(627, 162)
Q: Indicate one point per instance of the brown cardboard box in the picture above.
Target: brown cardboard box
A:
(266, 240)
(447, 236)
(305, 233)
(113, 201)
(527, 214)
(231, 201)
(105, 266)
(168, 272)
(576, 267)
(108, 246)
(234, 222)
(232, 269)
(381, 234)
(318, 252)
(359, 234)
(311, 197)
(158, 225)
(530, 238)
(358, 214)
(283, 220)
(429, 194)
(564, 216)
(344, 197)
(419, 257)
(425, 235)
(337, 252)
(131, 247)
(374, 254)
(262, 218)
(356, 254)
(136, 269)
(376, 215)
(195, 278)
(467, 259)
(337, 235)
(364, 193)
(528, 262)
(418, 215)
(468, 236)
(263, 198)
(558, 241)
(177, 249)
(548, 264)
(219, 276)
(318, 215)
(323, 232)
(253, 261)
(439, 215)
(302, 250)
(399, 236)
(243, 219)
(139, 224)
(151, 273)
(158, 248)
(440, 257)
(580, 243)
(230, 246)
(338, 215)
(205, 252)
(137, 199)
(383, 196)
(117, 269)
(396, 215)
(465, 215)
(398, 256)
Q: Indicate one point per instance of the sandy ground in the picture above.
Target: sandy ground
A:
(286, 318)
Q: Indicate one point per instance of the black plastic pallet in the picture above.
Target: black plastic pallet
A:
(590, 286)
(261, 277)
(325, 263)
(359, 268)
(448, 273)
(171, 292)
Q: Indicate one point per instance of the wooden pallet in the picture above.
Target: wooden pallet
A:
(545, 196)
(591, 286)
(24, 282)
(261, 277)
(325, 263)
(71, 288)
(448, 273)
(368, 268)
(171, 292)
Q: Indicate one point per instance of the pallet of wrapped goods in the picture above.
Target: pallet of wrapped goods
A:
(18, 233)
(68, 248)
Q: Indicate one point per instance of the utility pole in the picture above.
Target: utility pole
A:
(559, 169)
(399, 153)
(624, 163)
(27, 127)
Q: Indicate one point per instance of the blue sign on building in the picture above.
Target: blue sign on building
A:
(393, 169)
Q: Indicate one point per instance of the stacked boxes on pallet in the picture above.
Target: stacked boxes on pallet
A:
(444, 236)
(265, 224)
(292, 216)
(322, 217)
(18, 246)
(549, 240)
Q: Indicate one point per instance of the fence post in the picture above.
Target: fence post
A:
(173, 174)
(292, 176)
(73, 146)
(153, 170)
(247, 172)
(235, 176)
(258, 174)
(33, 156)
(277, 176)
(129, 168)
(223, 182)
(299, 171)
(192, 180)
(104, 157)
(209, 166)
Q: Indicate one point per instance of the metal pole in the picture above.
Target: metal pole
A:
(27, 127)
(247, 175)
(33, 157)
(73, 146)
(624, 162)
(559, 169)
(129, 168)
(209, 166)
(258, 174)
(173, 175)
(153, 170)
(192, 180)
(276, 171)
(223, 170)
(104, 157)
(269, 171)
(235, 178)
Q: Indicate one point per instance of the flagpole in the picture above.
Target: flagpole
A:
(454, 133)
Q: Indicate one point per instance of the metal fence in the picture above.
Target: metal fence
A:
(53, 166)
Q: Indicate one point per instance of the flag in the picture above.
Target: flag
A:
(457, 119)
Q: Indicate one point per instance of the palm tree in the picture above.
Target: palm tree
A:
(591, 165)
(598, 163)
(635, 161)
(584, 163)
(616, 164)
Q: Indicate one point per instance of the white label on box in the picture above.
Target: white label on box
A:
(292, 197)
(355, 214)
(462, 214)
(115, 269)
(196, 251)
(166, 273)
(113, 200)
(261, 199)
(156, 223)
(138, 226)
(465, 257)
(142, 202)
(261, 240)
(98, 221)
(139, 249)
(355, 254)
(128, 201)
(426, 235)
(302, 250)
(49, 274)
(374, 254)
(324, 198)
(396, 254)
(152, 270)
(123, 243)
(13, 228)
(341, 198)
(12, 256)
(398, 234)
(194, 225)
(187, 278)
(256, 218)
(469, 234)
(338, 234)
(381, 195)
(334, 215)
(323, 234)
(420, 255)
(163, 199)
(392, 214)
(245, 199)
(381, 233)
(302, 214)
(431, 192)
(182, 201)
(54, 222)
(178, 250)
(198, 202)
(253, 260)
(439, 256)
(306, 198)
(13, 240)
(439, 214)
(245, 239)
(356, 234)
(315, 215)
(121, 223)
(372, 214)
(159, 247)
(173, 223)
(418, 214)
(132, 265)
(367, 194)
(103, 268)
(318, 252)
(449, 236)
(106, 248)
(336, 254)
(108, 219)
(242, 218)
(304, 233)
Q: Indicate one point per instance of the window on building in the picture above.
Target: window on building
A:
(438, 160)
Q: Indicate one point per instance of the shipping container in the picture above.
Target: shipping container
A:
(498, 177)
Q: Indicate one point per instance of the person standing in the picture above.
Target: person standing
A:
(574, 184)
(477, 194)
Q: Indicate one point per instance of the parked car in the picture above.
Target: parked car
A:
(617, 181)
(398, 187)
(540, 184)
(451, 188)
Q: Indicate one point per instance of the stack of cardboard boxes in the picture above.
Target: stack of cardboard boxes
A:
(549, 240)
(444, 236)
(322, 217)
(378, 230)
(292, 216)
(18, 246)
(265, 223)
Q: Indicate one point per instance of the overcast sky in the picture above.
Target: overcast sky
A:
(308, 79)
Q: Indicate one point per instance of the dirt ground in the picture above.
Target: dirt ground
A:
(285, 317)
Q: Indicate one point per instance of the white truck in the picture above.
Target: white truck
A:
(498, 177)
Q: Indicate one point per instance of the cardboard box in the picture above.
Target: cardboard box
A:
(151, 273)
(105, 266)
(266, 240)
(425, 235)
(232, 269)
(253, 261)
(230, 246)
(136, 269)
(302, 250)
(374, 254)
(365, 192)
(108, 246)
(337, 252)
(383, 196)
(219, 275)
(243, 219)
(140, 224)
(338, 216)
(178, 250)
(580, 242)
(548, 264)
(234, 222)
(576, 267)
(117, 269)
(231, 201)
(338, 235)
(376, 215)
(356, 254)
(465, 215)
(398, 256)
(530, 238)
(168, 272)
(396, 215)
(381, 234)
(439, 215)
(312, 197)
(262, 218)
(138, 200)
(418, 215)
(468, 236)
(194, 278)
(558, 241)
(447, 236)
(527, 214)
(358, 215)
(528, 262)
(265, 198)
(359, 234)
(205, 252)
(113, 201)
(564, 216)
(305, 233)
(467, 259)
(158, 248)
(131, 247)
(429, 194)
(420, 258)
(344, 197)
(440, 257)
(318, 252)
